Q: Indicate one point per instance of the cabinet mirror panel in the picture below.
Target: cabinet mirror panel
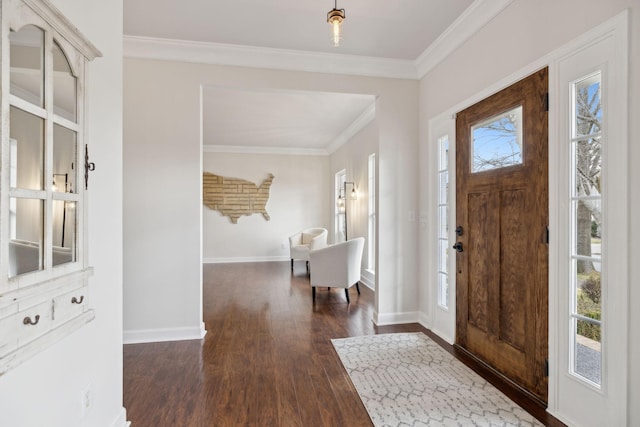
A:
(64, 232)
(27, 64)
(26, 224)
(64, 86)
(27, 152)
(64, 157)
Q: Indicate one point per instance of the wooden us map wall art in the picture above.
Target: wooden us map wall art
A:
(235, 197)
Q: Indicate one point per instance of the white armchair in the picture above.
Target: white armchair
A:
(300, 244)
(337, 266)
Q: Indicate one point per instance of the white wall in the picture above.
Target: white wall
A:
(45, 390)
(354, 158)
(299, 196)
(397, 272)
(162, 201)
(514, 39)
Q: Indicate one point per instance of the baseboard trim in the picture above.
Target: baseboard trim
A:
(424, 320)
(447, 338)
(161, 335)
(244, 259)
(368, 279)
(121, 419)
(382, 319)
(561, 418)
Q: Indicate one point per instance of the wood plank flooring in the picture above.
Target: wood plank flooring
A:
(266, 360)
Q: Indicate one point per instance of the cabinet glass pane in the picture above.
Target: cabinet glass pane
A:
(497, 142)
(64, 158)
(64, 232)
(26, 224)
(588, 228)
(64, 86)
(588, 351)
(27, 60)
(28, 132)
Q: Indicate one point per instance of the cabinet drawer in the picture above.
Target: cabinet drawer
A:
(24, 326)
(69, 305)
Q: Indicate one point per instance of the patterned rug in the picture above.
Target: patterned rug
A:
(409, 380)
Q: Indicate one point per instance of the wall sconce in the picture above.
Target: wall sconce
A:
(354, 193)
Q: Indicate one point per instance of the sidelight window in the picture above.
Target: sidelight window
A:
(371, 244)
(443, 222)
(586, 228)
(340, 216)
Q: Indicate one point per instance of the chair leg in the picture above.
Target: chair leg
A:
(307, 266)
(358, 287)
(313, 293)
(291, 264)
(346, 292)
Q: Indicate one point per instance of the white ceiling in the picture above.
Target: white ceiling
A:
(235, 119)
(399, 29)
(277, 121)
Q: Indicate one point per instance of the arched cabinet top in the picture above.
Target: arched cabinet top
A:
(23, 12)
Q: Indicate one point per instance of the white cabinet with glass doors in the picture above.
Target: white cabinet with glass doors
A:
(43, 173)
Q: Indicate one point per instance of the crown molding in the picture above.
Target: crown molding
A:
(467, 24)
(474, 18)
(260, 57)
(364, 119)
(289, 151)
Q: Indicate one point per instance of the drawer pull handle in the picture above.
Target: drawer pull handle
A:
(75, 300)
(27, 320)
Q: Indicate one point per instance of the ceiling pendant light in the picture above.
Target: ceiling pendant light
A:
(335, 18)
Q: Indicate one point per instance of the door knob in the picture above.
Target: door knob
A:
(458, 246)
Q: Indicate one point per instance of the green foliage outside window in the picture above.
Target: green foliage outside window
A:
(589, 306)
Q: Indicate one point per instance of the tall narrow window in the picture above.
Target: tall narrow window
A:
(586, 228)
(339, 232)
(443, 222)
(372, 214)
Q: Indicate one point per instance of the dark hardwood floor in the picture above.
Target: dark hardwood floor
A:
(267, 359)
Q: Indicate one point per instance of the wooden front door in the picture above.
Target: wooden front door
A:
(502, 243)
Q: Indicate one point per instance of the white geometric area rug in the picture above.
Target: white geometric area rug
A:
(409, 380)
